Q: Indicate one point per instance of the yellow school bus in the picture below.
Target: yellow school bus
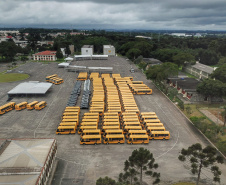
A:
(91, 132)
(40, 105)
(51, 76)
(136, 132)
(114, 139)
(66, 130)
(138, 139)
(31, 106)
(118, 131)
(127, 128)
(90, 140)
(68, 124)
(7, 107)
(21, 106)
(82, 128)
(159, 135)
(89, 124)
(131, 124)
(110, 123)
(150, 129)
(104, 128)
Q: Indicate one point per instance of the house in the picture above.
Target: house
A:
(109, 50)
(151, 62)
(87, 50)
(45, 55)
(199, 70)
(186, 87)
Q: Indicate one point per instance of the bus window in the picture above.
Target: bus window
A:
(91, 132)
(40, 105)
(31, 105)
(136, 132)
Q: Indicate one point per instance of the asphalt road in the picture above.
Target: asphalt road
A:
(85, 164)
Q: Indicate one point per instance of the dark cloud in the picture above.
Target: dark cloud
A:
(116, 14)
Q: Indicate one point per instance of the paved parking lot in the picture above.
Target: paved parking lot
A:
(84, 164)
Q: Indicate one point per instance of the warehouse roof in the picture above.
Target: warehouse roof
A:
(32, 87)
(203, 67)
(22, 160)
(108, 46)
(87, 46)
(185, 83)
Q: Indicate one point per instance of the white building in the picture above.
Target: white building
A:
(109, 50)
(45, 55)
(87, 50)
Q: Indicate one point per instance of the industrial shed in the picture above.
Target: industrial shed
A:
(87, 50)
(30, 88)
(26, 161)
(109, 50)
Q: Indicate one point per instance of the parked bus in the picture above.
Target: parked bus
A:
(82, 128)
(66, 130)
(131, 124)
(68, 124)
(91, 114)
(114, 139)
(90, 140)
(89, 124)
(21, 106)
(159, 135)
(51, 76)
(127, 128)
(91, 132)
(118, 131)
(154, 125)
(7, 107)
(136, 132)
(31, 106)
(40, 105)
(152, 121)
(150, 129)
(104, 128)
(138, 139)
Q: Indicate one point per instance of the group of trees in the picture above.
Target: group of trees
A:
(142, 162)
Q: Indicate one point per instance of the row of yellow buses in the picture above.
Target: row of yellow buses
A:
(140, 89)
(82, 76)
(89, 121)
(54, 79)
(23, 105)
(69, 121)
(112, 98)
(7, 107)
(97, 103)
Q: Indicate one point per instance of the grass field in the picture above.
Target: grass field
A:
(11, 77)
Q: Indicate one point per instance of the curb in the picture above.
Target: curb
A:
(192, 123)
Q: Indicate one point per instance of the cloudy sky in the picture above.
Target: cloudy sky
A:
(116, 14)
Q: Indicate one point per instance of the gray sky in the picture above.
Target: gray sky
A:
(116, 14)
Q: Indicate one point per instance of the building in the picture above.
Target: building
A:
(186, 88)
(199, 70)
(26, 161)
(72, 49)
(87, 50)
(45, 55)
(109, 50)
(151, 62)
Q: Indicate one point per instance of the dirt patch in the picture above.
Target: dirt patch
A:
(217, 113)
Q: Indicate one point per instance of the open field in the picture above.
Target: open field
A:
(11, 77)
(85, 164)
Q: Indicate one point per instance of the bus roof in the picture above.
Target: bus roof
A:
(87, 130)
(137, 131)
(91, 136)
(114, 135)
(66, 127)
(160, 132)
(138, 136)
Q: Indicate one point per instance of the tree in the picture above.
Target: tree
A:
(8, 50)
(188, 109)
(141, 161)
(183, 57)
(202, 158)
(133, 53)
(220, 73)
(222, 61)
(105, 181)
(208, 57)
(59, 54)
(67, 51)
(211, 88)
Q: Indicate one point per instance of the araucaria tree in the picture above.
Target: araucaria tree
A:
(140, 162)
(202, 158)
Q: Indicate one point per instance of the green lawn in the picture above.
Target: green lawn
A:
(11, 77)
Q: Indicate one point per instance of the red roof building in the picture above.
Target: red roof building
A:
(45, 55)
